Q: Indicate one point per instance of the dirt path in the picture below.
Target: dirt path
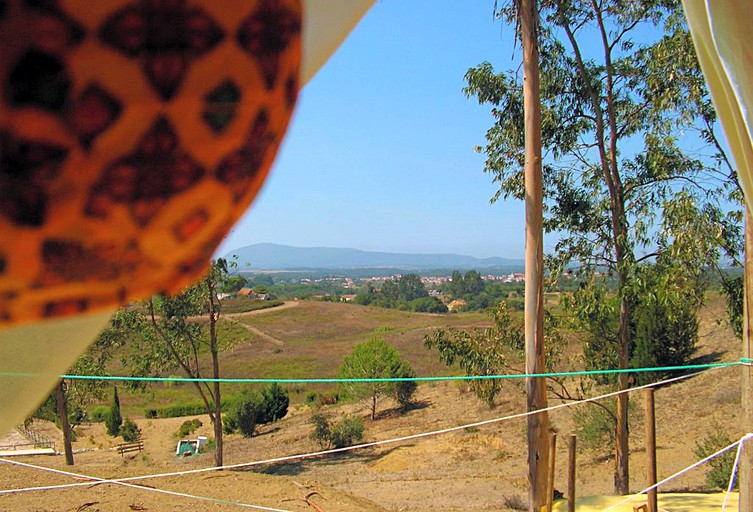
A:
(258, 332)
(234, 317)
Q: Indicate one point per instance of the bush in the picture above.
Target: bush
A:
(114, 420)
(314, 399)
(130, 431)
(189, 427)
(310, 399)
(276, 402)
(720, 467)
(346, 432)
(244, 413)
(98, 413)
(594, 426)
(404, 390)
(181, 409)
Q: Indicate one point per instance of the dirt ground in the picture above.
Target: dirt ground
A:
(481, 468)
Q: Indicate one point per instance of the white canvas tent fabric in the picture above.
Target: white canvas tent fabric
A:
(724, 42)
(32, 356)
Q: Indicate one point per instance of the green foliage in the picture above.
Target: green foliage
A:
(482, 351)
(404, 390)
(276, 402)
(720, 467)
(130, 432)
(314, 399)
(188, 427)
(595, 426)
(248, 409)
(245, 413)
(664, 322)
(233, 284)
(664, 300)
(733, 288)
(181, 409)
(465, 286)
(406, 292)
(373, 359)
(114, 420)
(427, 305)
(98, 413)
(346, 432)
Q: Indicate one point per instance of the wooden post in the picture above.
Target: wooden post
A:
(746, 457)
(571, 475)
(550, 486)
(538, 424)
(62, 408)
(650, 449)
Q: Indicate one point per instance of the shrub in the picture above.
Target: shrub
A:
(244, 413)
(314, 399)
(98, 413)
(404, 389)
(189, 427)
(114, 420)
(594, 426)
(310, 399)
(276, 402)
(130, 431)
(346, 432)
(720, 467)
(181, 409)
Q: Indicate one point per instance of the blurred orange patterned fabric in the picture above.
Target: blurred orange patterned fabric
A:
(132, 135)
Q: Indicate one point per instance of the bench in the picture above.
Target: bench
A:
(136, 446)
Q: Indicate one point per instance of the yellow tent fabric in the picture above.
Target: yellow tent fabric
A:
(680, 502)
(46, 349)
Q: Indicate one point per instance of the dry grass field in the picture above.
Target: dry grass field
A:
(479, 468)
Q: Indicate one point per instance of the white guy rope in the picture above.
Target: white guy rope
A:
(358, 446)
(142, 488)
(681, 472)
(734, 471)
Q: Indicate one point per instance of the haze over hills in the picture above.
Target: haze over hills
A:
(259, 257)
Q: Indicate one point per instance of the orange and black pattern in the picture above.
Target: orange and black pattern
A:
(133, 133)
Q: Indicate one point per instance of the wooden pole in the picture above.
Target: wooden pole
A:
(62, 408)
(746, 457)
(550, 486)
(650, 449)
(538, 424)
(571, 475)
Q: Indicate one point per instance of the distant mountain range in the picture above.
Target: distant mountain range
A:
(284, 257)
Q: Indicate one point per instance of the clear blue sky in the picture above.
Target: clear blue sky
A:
(380, 156)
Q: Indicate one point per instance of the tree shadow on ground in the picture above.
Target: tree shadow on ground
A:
(400, 411)
(294, 468)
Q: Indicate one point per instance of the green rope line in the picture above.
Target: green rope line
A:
(742, 361)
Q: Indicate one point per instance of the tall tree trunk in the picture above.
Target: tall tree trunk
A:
(538, 424)
(621, 449)
(214, 349)
(746, 459)
(62, 407)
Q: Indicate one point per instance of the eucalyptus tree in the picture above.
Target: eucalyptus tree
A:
(633, 169)
(169, 332)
